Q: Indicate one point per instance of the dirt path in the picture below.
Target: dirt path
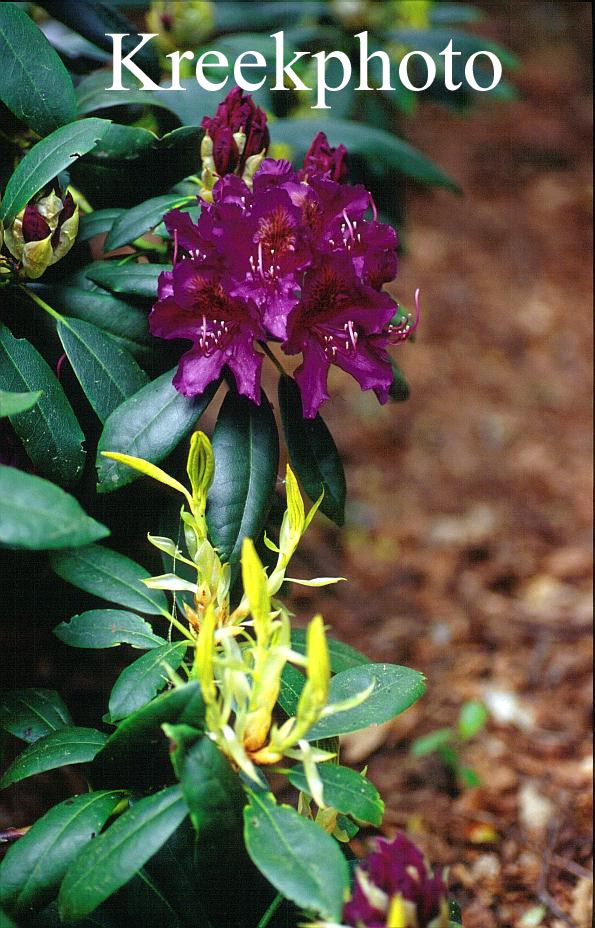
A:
(468, 547)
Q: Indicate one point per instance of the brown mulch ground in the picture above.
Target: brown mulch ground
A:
(468, 542)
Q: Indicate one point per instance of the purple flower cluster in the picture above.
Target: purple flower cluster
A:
(292, 259)
(396, 870)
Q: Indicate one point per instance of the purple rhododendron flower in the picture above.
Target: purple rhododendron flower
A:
(395, 873)
(222, 328)
(332, 324)
(283, 255)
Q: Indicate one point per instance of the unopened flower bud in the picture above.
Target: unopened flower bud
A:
(180, 23)
(394, 886)
(322, 160)
(236, 139)
(43, 232)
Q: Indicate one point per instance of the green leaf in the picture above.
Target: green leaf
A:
(396, 688)
(312, 452)
(33, 868)
(92, 95)
(95, 20)
(127, 324)
(116, 855)
(11, 404)
(468, 777)
(381, 149)
(297, 857)
(433, 40)
(32, 713)
(58, 749)
(106, 628)
(246, 447)
(428, 744)
(49, 430)
(110, 575)
(139, 682)
(5, 921)
(131, 164)
(149, 425)
(39, 516)
(47, 159)
(292, 684)
(35, 85)
(105, 370)
(399, 388)
(472, 719)
(143, 218)
(137, 279)
(212, 790)
(124, 756)
(98, 222)
(342, 656)
(344, 790)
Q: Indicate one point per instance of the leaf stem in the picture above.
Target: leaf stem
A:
(272, 358)
(264, 921)
(42, 304)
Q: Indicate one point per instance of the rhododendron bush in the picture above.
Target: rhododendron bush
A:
(153, 266)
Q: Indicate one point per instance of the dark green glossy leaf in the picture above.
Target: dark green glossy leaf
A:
(435, 39)
(92, 94)
(246, 447)
(33, 868)
(344, 790)
(137, 752)
(47, 159)
(106, 628)
(58, 749)
(49, 430)
(110, 575)
(296, 856)
(32, 713)
(11, 404)
(139, 682)
(399, 388)
(127, 324)
(292, 684)
(116, 855)
(343, 656)
(137, 279)
(212, 790)
(38, 516)
(98, 222)
(42, 102)
(95, 20)
(105, 370)
(312, 452)
(131, 164)
(140, 219)
(381, 149)
(149, 425)
(396, 688)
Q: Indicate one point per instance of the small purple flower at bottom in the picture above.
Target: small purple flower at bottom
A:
(222, 328)
(341, 321)
(394, 886)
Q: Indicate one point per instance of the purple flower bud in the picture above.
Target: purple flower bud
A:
(325, 161)
(396, 870)
(35, 228)
(236, 114)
